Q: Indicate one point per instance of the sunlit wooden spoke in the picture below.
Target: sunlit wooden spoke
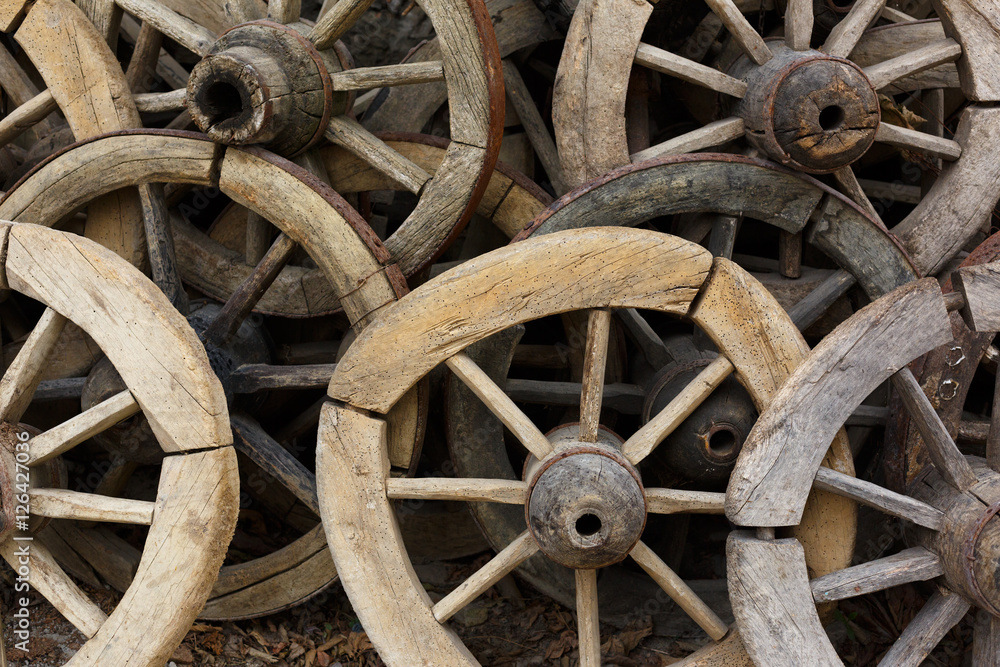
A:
(25, 372)
(588, 622)
(623, 398)
(845, 35)
(679, 591)
(921, 142)
(916, 564)
(898, 192)
(500, 405)
(403, 74)
(993, 435)
(503, 563)
(678, 501)
(739, 27)
(87, 424)
(940, 447)
(798, 24)
(894, 69)
(257, 377)
(18, 85)
(252, 440)
(688, 70)
(66, 504)
(337, 20)
(714, 134)
(849, 185)
(890, 502)
(26, 116)
(284, 11)
(534, 126)
(348, 133)
(160, 102)
(986, 639)
(182, 30)
(246, 296)
(937, 617)
(509, 492)
(670, 417)
(594, 362)
(643, 335)
(56, 586)
(812, 306)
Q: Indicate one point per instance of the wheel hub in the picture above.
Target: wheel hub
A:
(586, 506)
(810, 111)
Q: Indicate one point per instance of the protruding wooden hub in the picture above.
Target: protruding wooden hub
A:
(705, 447)
(810, 111)
(263, 83)
(586, 507)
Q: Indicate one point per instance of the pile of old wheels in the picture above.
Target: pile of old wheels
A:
(262, 331)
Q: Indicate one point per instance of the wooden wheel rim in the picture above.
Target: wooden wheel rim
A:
(194, 515)
(352, 437)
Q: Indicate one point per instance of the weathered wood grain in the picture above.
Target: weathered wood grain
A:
(980, 286)
(914, 564)
(974, 25)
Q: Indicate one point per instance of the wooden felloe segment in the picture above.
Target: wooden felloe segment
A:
(974, 25)
(769, 590)
(915, 564)
(774, 473)
(662, 272)
(980, 286)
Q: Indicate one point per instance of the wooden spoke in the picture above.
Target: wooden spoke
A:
(25, 372)
(749, 40)
(921, 142)
(993, 435)
(845, 35)
(688, 70)
(336, 22)
(623, 398)
(167, 68)
(182, 30)
(258, 377)
(723, 236)
(670, 417)
(643, 335)
(812, 306)
(789, 254)
(714, 134)
(87, 424)
(509, 492)
(259, 237)
(500, 405)
(246, 296)
(26, 116)
(898, 192)
(588, 621)
(942, 449)
(348, 133)
(868, 415)
(160, 244)
(986, 639)
(896, 16)
(275, 460)
(403, 74)
(284, 11)
(160, 102)
(679, 591)
(677, 501)
(890, 502)
(916, 564)
(54, 390)
(798, 24)
(594, 361)
(502, 564)
(939, 615)
(894, 69)
(534, 126)
(57, 587)
(849, 185)
(66, 504)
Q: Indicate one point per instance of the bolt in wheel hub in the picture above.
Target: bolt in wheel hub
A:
(810, 111)
(586, 507)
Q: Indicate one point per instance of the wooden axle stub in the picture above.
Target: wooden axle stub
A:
(263, 83)
(810, 111)
(586, 506)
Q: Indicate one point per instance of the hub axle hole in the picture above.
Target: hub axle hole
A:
(588, 524)
(832, 118)
(722, 442)
(222, 102)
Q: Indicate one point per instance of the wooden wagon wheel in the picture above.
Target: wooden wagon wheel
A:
(574, 518)
(948, 511)
(155, 353)
(814, 110)
(357, 273)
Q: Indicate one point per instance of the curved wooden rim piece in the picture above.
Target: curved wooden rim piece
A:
(466, 305)
(338, 239)
(782, 454)
(735, 185)
(165, 367)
